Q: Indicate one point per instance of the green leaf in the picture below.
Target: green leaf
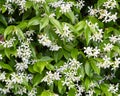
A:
(79, 26)
(56, 23)
(37, 79)
(71, 16)
(58, 55)
(87, 34)
(8, 30)
(46, 58)
(71, 92)
(34, 21)
(3, 20)
(104, 88)
(19, 33)
(44, 22)
(116, 49)
(60, 87)
(100, 2)
(87, 83)
(87, 68)
(47, 93)
(50, 67)
(5, 66)
(22, 25)
(74, 53)
(39, 66)
(95, 67)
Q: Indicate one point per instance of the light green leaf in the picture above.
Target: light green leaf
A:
(71, 16)
(47, 93)
(41, 65)
(46, 58)
(56, 23)
(8, 30)
(87, 34)
(44, 22)
(87, 83)
(74, 53)
(79, 26)
(34, 21)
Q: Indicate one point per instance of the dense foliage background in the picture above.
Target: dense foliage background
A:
(59, 48)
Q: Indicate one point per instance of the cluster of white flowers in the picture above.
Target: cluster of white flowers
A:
(24, 52)
(91, 52)
(14, 80)
(113, 88)
(66, 34)
(45, 41)
(8, 43)
(69, 70)
(66, 6)
(29, 35)
(106, 62)
(104, 13)
(21, 66)
(97, 32)
(20, 3)
(110, 4)
(50, 77)
(80, 89)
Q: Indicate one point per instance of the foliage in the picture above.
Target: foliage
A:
(59, 48)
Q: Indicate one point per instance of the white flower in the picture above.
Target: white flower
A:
(2, 76)
(54, 47)
(44, 40)
(88, 51)
(116, 63)
(21, 66)
(97, 36)
(8, 43)
(106, 63)
(80, 4)
(24, 52)
(66, 34)
(29, 33)
(113, 39)
(110, 4)
(113, 88)
(92, 12)
(50, 77)
(113, 17)
(32, 92)
(108, 47)
(56, 4)
(96, 52)
(80, 89)
(65, 7)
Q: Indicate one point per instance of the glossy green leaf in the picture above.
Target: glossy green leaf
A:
(6, 66)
